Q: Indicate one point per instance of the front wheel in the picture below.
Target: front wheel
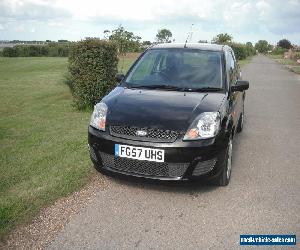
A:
(224, 177)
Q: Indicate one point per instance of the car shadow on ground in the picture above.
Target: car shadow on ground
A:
(164, 186)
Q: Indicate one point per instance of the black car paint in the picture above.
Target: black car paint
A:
(157, 108)
(174, 110)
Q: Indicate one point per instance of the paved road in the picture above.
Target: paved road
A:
(262, 198)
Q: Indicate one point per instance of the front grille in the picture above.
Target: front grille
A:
(204, 167)
(147, 168)
(155, 135)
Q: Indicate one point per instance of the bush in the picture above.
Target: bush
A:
(22, 50)
(242, 51)
(33, 50)
(239, 51)
(56, 49)
(279, 51)
(92, 69)
(9, 52)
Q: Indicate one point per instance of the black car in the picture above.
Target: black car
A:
(173, 116)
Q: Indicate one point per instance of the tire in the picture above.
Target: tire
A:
(224, 178)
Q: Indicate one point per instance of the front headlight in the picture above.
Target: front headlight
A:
(205, 126)
(98, 119)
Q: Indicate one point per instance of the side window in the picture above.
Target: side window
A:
(232, 61)
(231, 65)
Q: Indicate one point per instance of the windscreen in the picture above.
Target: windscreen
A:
(182, 68)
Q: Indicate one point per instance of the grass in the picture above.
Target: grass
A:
(292, 65)
(43, 139)
(126, 61)
(245, 61)
(275, 56)
(287, 62)
(296, 69)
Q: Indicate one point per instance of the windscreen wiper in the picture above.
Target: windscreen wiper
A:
(204, 89)
(157, 86)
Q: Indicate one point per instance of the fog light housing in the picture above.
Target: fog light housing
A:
(203, 167)
(93, 154)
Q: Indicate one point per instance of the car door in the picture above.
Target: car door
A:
(233, 76)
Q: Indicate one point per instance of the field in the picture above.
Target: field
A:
(43, 138)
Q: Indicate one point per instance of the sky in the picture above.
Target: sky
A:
(73, 20)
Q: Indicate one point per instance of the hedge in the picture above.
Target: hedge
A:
(9, 52)
(92, 69)
(51, 49)
(242, 51)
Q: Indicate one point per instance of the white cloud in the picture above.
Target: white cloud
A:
(244, 19)
(19, 28)
(54, 23)
(263, 8)
(1, 27)
(135, 9)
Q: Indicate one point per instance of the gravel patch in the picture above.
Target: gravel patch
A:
(51, 220)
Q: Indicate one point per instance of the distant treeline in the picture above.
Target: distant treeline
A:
(55, 49)
(50, 49)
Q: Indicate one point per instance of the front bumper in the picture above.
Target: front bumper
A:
(184, 160)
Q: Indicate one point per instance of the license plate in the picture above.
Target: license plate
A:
(140, 153)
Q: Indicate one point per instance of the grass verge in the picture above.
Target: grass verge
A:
(245, 61)
(291, 65)
(43, 139)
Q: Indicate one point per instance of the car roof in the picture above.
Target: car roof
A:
(201, 46)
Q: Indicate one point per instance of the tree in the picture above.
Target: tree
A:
(163, 36)
(146, 43)
(250, 49)
(222, 38)
(106, 34)
(285, 44)
(125, 40)
(262, 46)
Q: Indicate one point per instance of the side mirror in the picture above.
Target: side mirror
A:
(240, 86)
(119, 77)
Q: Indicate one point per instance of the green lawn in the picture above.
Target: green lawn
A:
(124, 65)
(43, 138)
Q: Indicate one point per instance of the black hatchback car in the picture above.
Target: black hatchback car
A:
(173, 116)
